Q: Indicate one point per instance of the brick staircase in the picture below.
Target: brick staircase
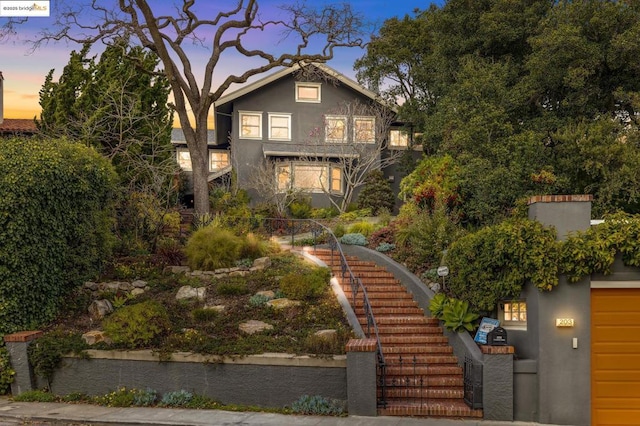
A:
(423, 377)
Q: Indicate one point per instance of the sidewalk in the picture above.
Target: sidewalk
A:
(37, 413)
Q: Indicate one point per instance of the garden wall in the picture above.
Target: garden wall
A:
(268, 380)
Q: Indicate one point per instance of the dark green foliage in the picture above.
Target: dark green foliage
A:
(232, 286)
(363, 227)
(318, 405)
(46, 352)
(310, 285)
(179, 398)
(137, 325)
(35, 396)
(495, 262)
(145, 398)
(301, 208)
(205, 315)
(56, 205)
(6, 372)
(376, 194)
(385, 247)
(437, 305)
(212, 247)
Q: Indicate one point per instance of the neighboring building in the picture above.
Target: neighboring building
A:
(308, 126)
(13, 126)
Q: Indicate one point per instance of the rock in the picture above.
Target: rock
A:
(137, 291)
(188, 292)
(327, 334)
(112, 286)
(125, 286)
(139, 284)
(197, 273)
(221, 271)
(98, 309)
(95, 336)
(254, 326)
(282, 303)
(267, 293)
(217, 308)
(238, 273)
(435, 287)
(234, 269)
(89, 285)
(261, 263)
(180, 269)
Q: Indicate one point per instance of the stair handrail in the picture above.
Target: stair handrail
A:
(355, 282)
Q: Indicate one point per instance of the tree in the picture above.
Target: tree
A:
(264, 181)
(363, 134)
(171, 33)
(118, 105)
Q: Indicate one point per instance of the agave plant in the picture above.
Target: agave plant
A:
(437, 304)
(457, 316)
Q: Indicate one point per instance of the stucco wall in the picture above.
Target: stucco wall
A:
(270, 380)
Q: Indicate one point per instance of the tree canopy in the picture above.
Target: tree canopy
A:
(527, 97)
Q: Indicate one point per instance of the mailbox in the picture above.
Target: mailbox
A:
(497, 337)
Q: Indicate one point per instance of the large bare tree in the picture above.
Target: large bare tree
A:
(224, 28)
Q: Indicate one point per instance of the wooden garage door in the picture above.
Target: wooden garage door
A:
(615, 356)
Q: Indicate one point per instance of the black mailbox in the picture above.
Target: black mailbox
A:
(497, 337)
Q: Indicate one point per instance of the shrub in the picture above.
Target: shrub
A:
(35, 396)
(324, 213)
(305, 286)
(122, 397)
(137, 325)
(45, 353)
(363, 227)
(352, 215)
(205, 314)
(179, 398)
(301, 208)
(457, 316)
(258, 300)
(376, 194)
(383, 235)
(252, 247)
(339, 230)
(318, 405)
(354, 239)
(385, 247)
(232, 286)
(437, 305)
(56, 210)
(145, 398)
(6, 372)
(170, 251)
(211, 247)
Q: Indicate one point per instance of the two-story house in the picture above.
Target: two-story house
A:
(317, 130)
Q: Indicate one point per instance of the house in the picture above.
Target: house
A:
(312, 129)
(14, 126)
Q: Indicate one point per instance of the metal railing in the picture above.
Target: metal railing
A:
(472, 383)
(319, 233)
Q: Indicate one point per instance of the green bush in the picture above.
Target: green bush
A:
(363, 227)
(45, 353)
(354, 239)
(56, 212)
(385, 247)
(301, 208)
(137, 325)
(179, 398)
(211, 248)
(35, 396)
(252, 246)
(121, 397)
(310, 285)
(437, 305)
(145, 398)
(457, 316)
(205, 314)
(6, 372)
(376, 194)
(339, 230)
(318, 405)
(232, 286)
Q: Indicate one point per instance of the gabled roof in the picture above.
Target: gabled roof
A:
(18, 125)
(290, 70)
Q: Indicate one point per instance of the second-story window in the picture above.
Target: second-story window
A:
(335, 128)
(364, 129)
(280, 126)
(250, 125)
(308, 92)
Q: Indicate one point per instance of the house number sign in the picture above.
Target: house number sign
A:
(564, 322)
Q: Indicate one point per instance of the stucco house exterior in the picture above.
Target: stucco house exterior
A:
(312, 126)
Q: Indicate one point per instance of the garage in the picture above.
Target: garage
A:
(615, 355)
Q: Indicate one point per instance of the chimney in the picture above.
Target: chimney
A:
(1, 98)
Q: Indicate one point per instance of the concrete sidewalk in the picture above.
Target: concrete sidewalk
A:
(38, 413)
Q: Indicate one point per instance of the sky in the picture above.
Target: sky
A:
(24, 70)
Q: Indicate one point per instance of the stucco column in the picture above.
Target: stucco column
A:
(361, 377)
(497, 382)
(17, 344)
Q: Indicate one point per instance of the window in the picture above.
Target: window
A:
(250, 125)
(184, 159)
(308, 92)
(515, 311)
(364, 129)
(280, 126)
(218, 160)
(398, 138)
(335, 129)
(314, 177)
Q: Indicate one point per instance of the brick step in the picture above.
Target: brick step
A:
(410, 392)
(441, 381)
(426, 358)
(386, 303)
(408, 351)
(383, 311)
(395, 339)
(440, 408)
(384, 295)
(377, 288)
(424, 329)
(422, 371)
(400, 320)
